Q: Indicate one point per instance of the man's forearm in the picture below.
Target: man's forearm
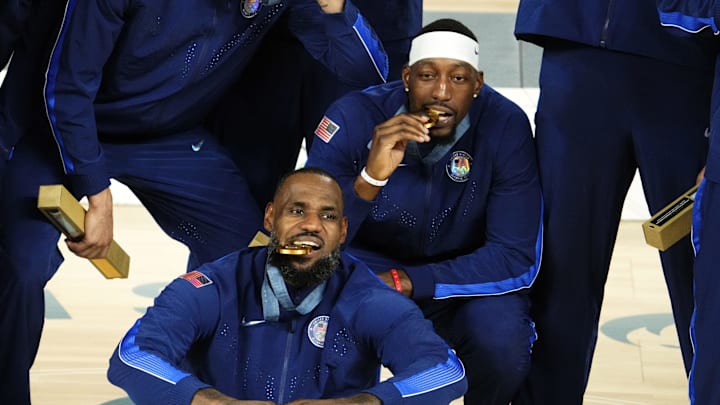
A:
(210, 396)
(359, 399)
(363, 399)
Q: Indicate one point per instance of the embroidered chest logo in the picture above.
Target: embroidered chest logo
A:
(326, 129)
(317, 330)
(197, 279)
(250, 8)
(458, 167)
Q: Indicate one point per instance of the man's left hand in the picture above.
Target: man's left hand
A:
(405, 282)
(331, 6)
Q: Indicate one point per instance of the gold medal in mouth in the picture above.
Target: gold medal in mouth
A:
(296, 248)
(433, 115)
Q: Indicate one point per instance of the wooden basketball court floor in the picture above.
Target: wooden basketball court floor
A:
(637, 361)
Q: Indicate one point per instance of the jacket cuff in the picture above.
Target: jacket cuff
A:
(356, 205)
(387, 393)
(88, 184)
(185, 390)
(356, 210)
(423, 282)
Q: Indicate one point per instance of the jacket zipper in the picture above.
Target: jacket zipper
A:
(604, 34)
(200, 65)
(427, 172)
(286, 362)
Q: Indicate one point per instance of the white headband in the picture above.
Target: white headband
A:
(445, 44)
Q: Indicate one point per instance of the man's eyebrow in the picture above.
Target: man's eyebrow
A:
(303, 204)
(434, 64)
(424, 63)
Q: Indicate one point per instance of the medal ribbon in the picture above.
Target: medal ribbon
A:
(275, 294)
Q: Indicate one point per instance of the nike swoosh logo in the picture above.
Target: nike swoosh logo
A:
(251, 323)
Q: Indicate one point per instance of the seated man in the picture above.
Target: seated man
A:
(450, 215)
(296, 320)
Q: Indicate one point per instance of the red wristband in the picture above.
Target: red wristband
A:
(396, 280)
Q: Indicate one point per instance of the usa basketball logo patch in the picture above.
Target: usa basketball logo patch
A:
(197, 279)
(317, 329)
(458, 167)
(250, 8)
(326, 129)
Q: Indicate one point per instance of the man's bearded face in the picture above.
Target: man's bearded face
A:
(300, 276)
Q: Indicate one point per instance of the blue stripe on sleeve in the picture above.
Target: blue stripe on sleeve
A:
(50, 81)
(535, 268)
(443, 291)
(131, 355)
(686, 22)
(373, 47)
(434, 378)
(697, 218)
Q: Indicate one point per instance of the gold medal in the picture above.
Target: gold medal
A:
(434, 116)
(294, 249)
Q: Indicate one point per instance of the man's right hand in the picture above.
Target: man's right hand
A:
(98, 228)
(389, 141)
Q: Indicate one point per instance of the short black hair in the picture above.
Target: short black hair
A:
(308, 170)
(447, 24)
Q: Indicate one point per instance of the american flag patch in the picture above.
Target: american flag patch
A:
(326, 129)
(197, 279)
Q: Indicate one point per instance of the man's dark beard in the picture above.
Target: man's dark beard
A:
(443, 140)
(320, 271)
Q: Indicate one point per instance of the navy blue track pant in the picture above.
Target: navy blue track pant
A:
(492, 337)
(197, 197)
(705, 327)
(600, 116)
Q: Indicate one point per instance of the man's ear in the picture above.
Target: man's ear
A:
(480, 81)
(406, 76)
(343, 230)
(268, 218)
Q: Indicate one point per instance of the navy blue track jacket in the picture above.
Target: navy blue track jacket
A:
(699, 17)
(13, 15)
(129, 69)
(463, 221)
(393, 20)
(207, 329)
(598, 23)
